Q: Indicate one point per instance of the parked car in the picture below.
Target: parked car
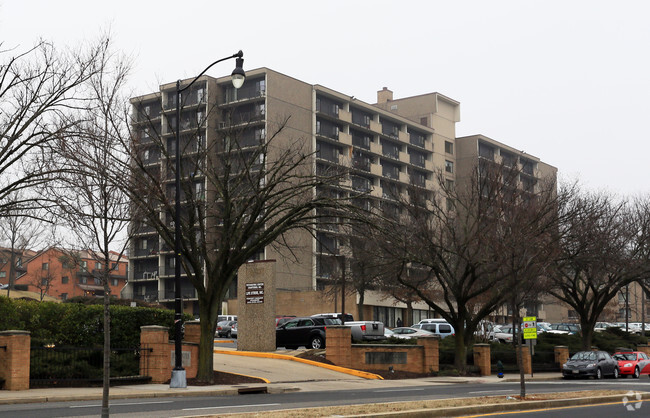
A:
(281, 319)
(503, 334)
(344, 318)
(410, 332)
(590, 363)
(226, 318)
(233, 330)
(632, 363)
(306, 331)
(223, 328)
(564, 329)
(440, 328)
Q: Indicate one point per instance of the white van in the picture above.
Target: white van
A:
(437, 326)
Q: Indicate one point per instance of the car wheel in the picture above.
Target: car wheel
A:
(637, 373)
(317, 342)
(615, 376)
(599, 374)
(229, 335)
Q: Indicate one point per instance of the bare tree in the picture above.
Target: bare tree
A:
(39, 89)
(239, 194)
(90, 159)
(443, 241)
(603, 247)
(19, 231)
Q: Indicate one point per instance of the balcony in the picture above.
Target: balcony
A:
(375, 169)
(345, 138)
(186, 293)
(375, 147)
(145, 275)
(345, 116)
(375, 126)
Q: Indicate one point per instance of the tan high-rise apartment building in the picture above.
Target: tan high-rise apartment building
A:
(388, 145)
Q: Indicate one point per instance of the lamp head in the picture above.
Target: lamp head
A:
(238, 75)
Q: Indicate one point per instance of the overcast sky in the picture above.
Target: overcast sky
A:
(565, 81)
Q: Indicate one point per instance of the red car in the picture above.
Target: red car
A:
(633, 363)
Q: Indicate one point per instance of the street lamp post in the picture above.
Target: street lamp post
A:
(178, 378)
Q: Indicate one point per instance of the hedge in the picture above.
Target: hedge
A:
(79, 325)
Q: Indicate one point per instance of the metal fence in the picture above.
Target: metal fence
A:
(73, 366)
(542, 361)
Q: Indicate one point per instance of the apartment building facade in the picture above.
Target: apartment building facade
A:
(58, 274)
(387, 146)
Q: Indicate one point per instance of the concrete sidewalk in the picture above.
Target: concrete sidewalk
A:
(281, 373)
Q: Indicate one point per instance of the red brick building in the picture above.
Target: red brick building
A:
(61, 274)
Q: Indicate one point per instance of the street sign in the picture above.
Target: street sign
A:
(530, 328)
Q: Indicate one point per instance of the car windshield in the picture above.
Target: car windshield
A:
(624, 356)
(584, 355)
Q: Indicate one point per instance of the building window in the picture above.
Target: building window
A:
(83, 280)
(114, 266)
(449, 147)
(424, 121)
(44, 281)
(143, 244)
(114, 282)
(45, 266)
(64, 279)
(449, 185)
(449, 166)
(98, 265)
(64, 296)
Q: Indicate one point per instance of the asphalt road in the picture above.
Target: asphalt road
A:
(186, 406)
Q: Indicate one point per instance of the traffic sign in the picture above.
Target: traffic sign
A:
(530, 328)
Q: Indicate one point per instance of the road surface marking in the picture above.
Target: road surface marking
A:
(120, 404)
(493, 391)
(395, 390)
(232, 406)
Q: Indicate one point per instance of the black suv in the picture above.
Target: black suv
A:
(308, 332)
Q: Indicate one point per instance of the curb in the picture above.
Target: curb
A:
(487, 409)
(358, 373)
(230, 390)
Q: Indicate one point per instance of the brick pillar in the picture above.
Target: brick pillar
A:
(431, 360)
(561, 355)
(643, 348)
(482, 358)
(155, 363)
(527, 361)
(14, 361)
(338, 345)
(192, 332)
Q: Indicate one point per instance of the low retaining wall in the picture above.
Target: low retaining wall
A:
(160, 360)
(420, 358)
(14, 359)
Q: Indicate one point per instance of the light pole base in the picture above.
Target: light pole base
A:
(178, 380)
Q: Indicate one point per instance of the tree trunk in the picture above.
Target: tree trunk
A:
(107, 343)
(587, 336)
(362, 298)
(516, 336)
(209, 314)
(409, 313)
(460, 355)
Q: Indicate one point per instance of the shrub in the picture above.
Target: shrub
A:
(80, 325)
